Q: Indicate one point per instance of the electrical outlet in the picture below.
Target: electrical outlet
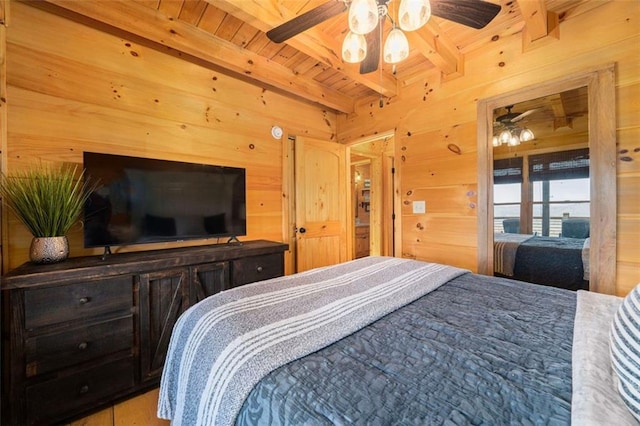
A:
(419, 207)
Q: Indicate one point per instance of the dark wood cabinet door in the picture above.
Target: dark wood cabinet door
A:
(208, 279)
(164, 295)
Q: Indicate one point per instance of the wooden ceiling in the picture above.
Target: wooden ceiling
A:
(230, 35)
(552, 112)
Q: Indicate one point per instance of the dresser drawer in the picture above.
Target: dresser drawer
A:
(57, 399)
(55, 351)
(257, 268)
(52, 305)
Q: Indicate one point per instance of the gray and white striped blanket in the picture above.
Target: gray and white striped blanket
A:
(505, 247)
(222, 347)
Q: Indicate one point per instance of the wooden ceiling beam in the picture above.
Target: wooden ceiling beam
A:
(155, 26)
(434, 45)
(541, 26)
(267, 15)
(534, 13)
(560, 118)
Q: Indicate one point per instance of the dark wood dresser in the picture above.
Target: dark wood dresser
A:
(85, 333)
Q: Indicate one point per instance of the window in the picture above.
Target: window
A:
(507, 194)
(506, 205)
(556, 187)
(560, 189)
(556, 200)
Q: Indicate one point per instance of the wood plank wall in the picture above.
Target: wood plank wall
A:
(431, 114)
(4, 21)
(73, 88)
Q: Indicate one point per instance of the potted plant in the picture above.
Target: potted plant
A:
(48, 201)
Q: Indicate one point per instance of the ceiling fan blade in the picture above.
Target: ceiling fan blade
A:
(307, 20)
(472, 13)
(524, 114)
(372, 60)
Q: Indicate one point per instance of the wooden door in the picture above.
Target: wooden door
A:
(322, 197)
(208, 279)
(164, 295)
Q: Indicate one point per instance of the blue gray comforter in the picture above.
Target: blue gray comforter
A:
(221, 347)
(478, 350)
(374, 341)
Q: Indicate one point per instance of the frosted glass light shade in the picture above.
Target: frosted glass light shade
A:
(354, 48)
(514, 141)
(363, 16)
(526, 135)
(505, 136)
(413, 14)
(396, 48)
(495, 141)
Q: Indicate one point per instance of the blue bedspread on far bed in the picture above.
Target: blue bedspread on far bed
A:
(551, 261)
(478, 350)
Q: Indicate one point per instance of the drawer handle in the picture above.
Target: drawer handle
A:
(82, 346)
(84, 389)
(259, 269)
(84, 300)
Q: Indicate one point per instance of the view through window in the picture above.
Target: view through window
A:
(567, 198)
(556, 200)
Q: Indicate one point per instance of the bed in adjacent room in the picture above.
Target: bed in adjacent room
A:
(554, 261)
(383, 340)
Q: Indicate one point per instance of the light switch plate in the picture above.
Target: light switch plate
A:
(419, 207)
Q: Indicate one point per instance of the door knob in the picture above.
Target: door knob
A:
(302, 230)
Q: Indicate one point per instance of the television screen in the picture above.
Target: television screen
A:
(141, 200)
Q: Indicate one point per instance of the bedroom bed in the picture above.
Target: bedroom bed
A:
(554, 261)
(382, 340)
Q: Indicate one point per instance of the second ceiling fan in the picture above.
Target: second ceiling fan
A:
(507, 131)
(472, 13)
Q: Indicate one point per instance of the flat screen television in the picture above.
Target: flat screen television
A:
(142, 200)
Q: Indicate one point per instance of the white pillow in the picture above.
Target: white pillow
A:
(625, 350)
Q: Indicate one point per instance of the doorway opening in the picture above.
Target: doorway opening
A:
(373, 200)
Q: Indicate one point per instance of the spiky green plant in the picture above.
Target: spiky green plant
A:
(47, 199)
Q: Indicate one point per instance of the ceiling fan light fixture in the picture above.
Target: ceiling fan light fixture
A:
(363, 16)
(354, 48)
(396, 48)
(495, 141)
(413, 14)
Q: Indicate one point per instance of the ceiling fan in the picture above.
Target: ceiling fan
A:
(512, 117)
(472, 13)
(506, 130)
